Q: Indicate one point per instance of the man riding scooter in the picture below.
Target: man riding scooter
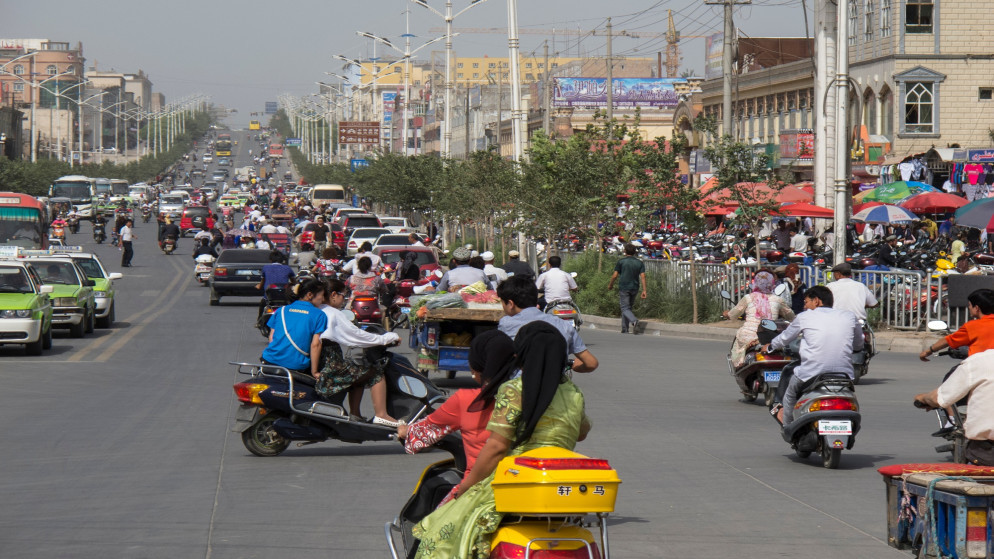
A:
(557, 286)
(829, 338)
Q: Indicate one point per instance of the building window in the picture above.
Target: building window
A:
(919, 115)
(918, 16)
(541, 65)
(476, 75)
(459, 75)
(528, 64)
(885, 18)
(554, 65)
(396, 70)
(71, 70)
(476, 65)
(459, 65)
(19, 87)
(503, 64)
(52, 70)
(18, 70)
(530, 77)
(887, 115)
(492, 65)
(507, 75)
(376, 69)
(868, 20)
(870, 112)
(986, 94)
(853, 20)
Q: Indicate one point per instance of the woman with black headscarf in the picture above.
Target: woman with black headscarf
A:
(541, 407)
(491, 361)
(409, 269)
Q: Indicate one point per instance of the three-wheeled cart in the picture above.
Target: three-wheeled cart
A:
(427, 337)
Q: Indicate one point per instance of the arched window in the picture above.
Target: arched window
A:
(868, 20)
(887, 114)
(870, 112)
(52, 69)
(918, 114)
(19, 70)
(853, 20)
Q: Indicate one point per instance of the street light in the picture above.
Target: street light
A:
(448, 16)
(34, 103)
(59, 94)
(407, 53)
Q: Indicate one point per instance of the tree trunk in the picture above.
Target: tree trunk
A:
(600, 250)
(693, 285)
(503, 245)
(755, 235)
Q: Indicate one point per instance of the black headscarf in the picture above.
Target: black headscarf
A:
(408, 265)
(492, 355)
(541, 356)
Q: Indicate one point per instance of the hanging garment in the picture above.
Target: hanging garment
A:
(973, 173)
(906, 168)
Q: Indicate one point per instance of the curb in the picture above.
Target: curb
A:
(900, 342)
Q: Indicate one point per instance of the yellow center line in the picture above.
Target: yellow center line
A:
(81, 352)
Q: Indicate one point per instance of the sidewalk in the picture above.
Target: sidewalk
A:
(886, 340)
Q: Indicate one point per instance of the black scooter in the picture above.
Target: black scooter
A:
(280, 406)
(99, 233)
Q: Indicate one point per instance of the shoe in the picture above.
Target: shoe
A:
(944, 431)
(624, 331)
(635, 327)
(384, 422)
(358, 418)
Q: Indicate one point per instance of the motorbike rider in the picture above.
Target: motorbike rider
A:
(888, 252)
(496, 275)
(204, 248)
(830, 336)
(408, 268)
(556, 284)
(978, 333)
(515, 266)
(850, 295)
(365, 250)
(758, 305)
(275, 276)
(463, 274)
(340, 368)
(973, 379)
(169, 231)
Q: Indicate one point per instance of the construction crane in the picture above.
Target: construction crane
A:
(672, 37)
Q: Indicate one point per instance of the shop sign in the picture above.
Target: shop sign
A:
(980, 156)
(797, 144)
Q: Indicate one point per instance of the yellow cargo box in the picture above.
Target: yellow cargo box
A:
(554, 481)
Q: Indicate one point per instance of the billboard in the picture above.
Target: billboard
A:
(591, 93)
(797, 144)
(713, 55)
(271, 107)
(359, 132)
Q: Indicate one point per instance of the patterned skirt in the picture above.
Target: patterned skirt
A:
(338, 374)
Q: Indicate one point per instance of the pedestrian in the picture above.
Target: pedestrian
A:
(630, 272)
(127, 236)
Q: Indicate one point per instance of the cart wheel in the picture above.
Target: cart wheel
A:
(450, 374)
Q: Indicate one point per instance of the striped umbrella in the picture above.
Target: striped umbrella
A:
(885, 214)
(893, 192)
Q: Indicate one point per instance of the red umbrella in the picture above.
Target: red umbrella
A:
(791, 193)
(933, 203)
(806, 210)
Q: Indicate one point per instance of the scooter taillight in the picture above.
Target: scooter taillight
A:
(248, 392)
(569, 312)
(562, 463)
(508, 550)
(834, 404)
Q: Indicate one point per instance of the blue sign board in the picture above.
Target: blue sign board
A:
(271, 107)
(358, 163)
(627, 92)
(294, 142)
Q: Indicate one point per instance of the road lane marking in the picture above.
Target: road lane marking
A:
(146, 319)
(77, 356)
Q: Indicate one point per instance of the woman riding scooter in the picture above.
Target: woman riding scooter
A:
(759, 305)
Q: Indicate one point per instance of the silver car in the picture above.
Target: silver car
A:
(362, 235)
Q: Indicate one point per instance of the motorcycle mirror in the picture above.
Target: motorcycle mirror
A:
(573, 274)
(349, 315)
(937, 325)
(438, 273)
(412, 386)
(780, 290)
(726, 295)
(767, 324)
(115, 276)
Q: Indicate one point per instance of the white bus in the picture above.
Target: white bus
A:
(81, 192)
(327, 194)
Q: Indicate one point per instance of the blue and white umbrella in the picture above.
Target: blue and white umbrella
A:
(885, 214)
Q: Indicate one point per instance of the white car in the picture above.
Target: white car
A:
(397, 224)
(208, 158)
(362, 235)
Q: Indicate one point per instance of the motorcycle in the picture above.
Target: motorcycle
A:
(861, 359)
(279, 406)
(565, 309)
(169, 245)
(99, 234)
(826, 416)
(950, 426)
(58, 230)
(760, 373)
(146, 214)
(202, 271)
(366, 307)
(275, 298)
(73, 223)
(542, 493)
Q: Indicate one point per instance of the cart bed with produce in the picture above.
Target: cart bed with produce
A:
(442, 335)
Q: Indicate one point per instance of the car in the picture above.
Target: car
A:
(237, 272)
(103, 288)
(229, 200)
(352, 222)
(337, 234)
(395, 255)
(198, 173)
(361, 235)
(341, 211)
(223, 162)
(208, 157)
(25, 307)
(397, 224)
(391, 239)
(195, 219)
(220, 174)
(74, 303)
(171, 204)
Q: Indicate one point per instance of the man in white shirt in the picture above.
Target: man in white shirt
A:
(850, 295)
(556, 283)
(497, 275)
(798, 242)
(414, 240)
(973, 378)
(365, 250)
(127, 235)
(267, 227)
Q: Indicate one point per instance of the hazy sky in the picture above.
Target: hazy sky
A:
(243, 53)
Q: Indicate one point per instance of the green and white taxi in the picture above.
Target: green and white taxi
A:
(103, 288)
(229, 201)
(72, 293)
(25, 307)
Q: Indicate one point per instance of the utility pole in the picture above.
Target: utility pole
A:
(466, 124)
(500, 109)
(726, 66)
(518, 118)
(610, 79)
(841, 136)
(546, 117)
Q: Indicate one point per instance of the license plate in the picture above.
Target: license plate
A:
(205, 275)
(245, 273)
(771, 376)
(834, 427)
(405, 310)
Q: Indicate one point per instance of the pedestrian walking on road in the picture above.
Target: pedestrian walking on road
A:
(630, 272)
(127, 236)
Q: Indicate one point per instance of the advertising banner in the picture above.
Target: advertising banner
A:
(797, 144)
(359, 132)
(591, 93)
(713, 54)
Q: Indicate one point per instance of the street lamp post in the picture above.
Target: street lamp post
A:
(512, 47)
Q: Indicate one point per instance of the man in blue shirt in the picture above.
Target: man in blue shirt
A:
(519, 297)
(275, 275)
(830, 338)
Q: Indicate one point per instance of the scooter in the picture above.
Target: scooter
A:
(275, 298)
(202, 271)
(565, 309)
(549, 498)
(826, 416)
(169, 245)
(950, 426)
(99, 233)
(760, 373)
(861, 359)
(366, 307)
(279, 406)
(146, 215)
(73, 223)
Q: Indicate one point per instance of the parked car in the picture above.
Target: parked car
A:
(26, 318)
(362, 235)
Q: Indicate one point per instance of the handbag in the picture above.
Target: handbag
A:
(980, 453)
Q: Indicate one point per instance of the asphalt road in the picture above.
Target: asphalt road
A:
(118, 445)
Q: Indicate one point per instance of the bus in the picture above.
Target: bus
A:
(276, 150)
(222, 147)
(327, 194)
(81, 192)
(23, 221)
(119, 190)
(254, 125)
(102, 187)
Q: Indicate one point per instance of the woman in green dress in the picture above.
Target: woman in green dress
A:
(540, 407)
